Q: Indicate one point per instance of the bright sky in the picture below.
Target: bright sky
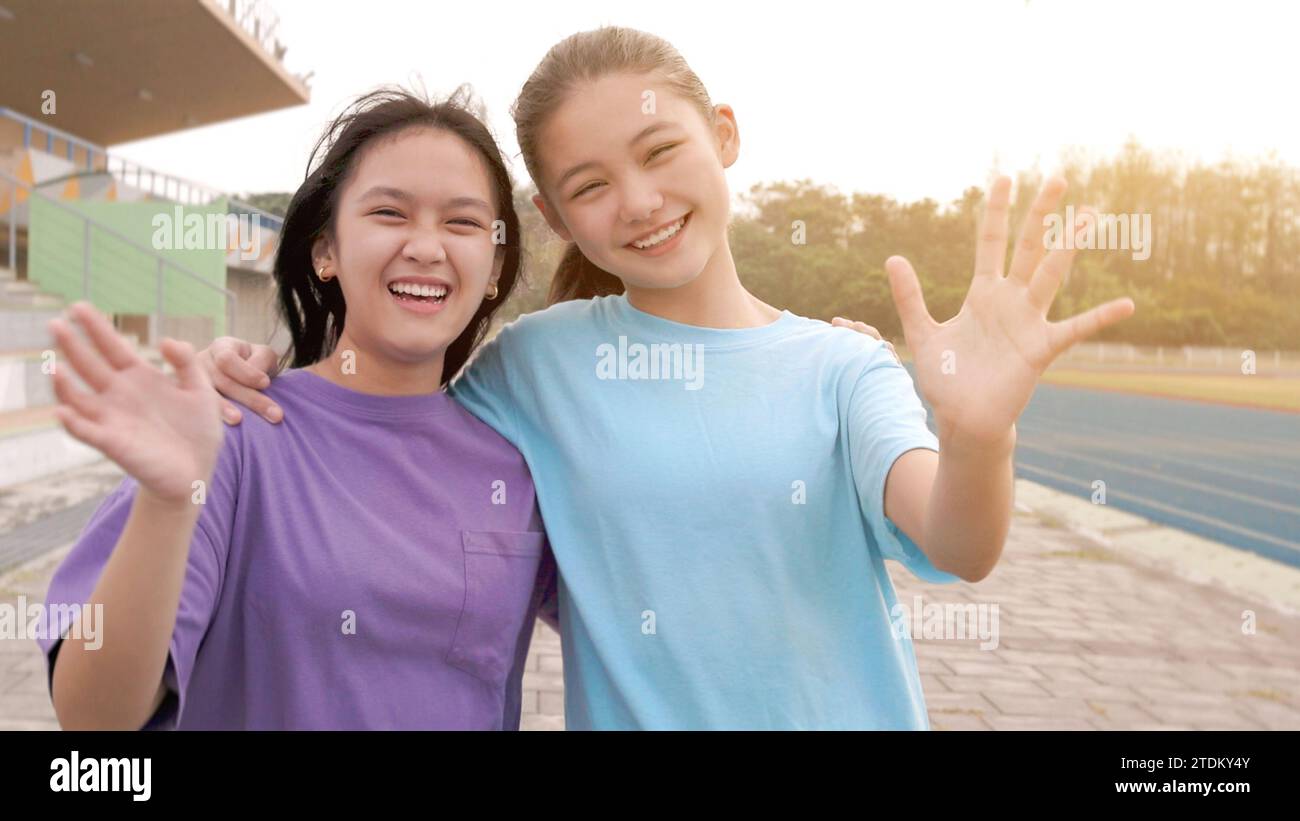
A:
(910, 99)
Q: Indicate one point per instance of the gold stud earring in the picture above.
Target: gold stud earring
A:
(492, 294)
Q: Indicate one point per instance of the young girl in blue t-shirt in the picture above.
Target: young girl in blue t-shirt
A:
(721, 479)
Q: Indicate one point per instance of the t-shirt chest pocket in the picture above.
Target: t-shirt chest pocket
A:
(500, 575)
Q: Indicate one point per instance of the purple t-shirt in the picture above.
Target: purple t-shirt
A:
(372, 562)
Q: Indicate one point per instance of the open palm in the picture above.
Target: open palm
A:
(978, 370)
(163, 431)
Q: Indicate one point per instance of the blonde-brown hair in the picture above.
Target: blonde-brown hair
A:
(585, 57)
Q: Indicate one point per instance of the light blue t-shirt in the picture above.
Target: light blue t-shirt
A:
(715, 502)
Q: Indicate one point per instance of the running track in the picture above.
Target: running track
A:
(1230, 474)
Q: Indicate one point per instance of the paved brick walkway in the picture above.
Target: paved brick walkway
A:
(544, 683)
(1086, 640)
(1090, 641)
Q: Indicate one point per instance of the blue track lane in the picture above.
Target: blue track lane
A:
(1229, 474)
(1226, 473)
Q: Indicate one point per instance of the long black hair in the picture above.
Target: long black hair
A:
(314, 311)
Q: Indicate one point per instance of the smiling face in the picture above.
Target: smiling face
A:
(642, 194)
(411, 245)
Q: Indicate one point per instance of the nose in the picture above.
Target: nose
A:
(640, 200)
(425, 248)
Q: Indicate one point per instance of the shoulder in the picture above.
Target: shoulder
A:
(491, 451)
(255, 433)
(843, 348)
(557, 322)
(852, 367)
(534, 340)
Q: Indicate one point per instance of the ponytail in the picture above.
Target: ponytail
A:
(577, 277)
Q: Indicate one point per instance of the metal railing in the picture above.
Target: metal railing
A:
(51, 134)
(1202, 358)
(257, 19)
(90, 225)
(153, 182)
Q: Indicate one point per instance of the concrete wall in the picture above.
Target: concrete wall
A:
(255, 313)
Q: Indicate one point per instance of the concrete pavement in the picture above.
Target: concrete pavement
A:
(1104, 621)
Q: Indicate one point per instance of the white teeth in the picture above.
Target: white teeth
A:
(655, 239)
(413, 289)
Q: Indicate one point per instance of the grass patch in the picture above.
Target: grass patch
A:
(1269, 695)
(1260, 391)
(1087, 554)
(1049, 519)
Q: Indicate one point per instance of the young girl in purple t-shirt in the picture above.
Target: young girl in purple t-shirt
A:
(377, 561)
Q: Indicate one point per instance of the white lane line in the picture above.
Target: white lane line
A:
(1245, 531)
(1086, 441)
(1242, 497)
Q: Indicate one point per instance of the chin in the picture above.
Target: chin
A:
(667, 280)
(649, 273)
(658, 283)
(683, 281)
(414, 352)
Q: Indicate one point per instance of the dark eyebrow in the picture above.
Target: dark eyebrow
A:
(645, 132)
(472, 202)
(386, 191)
(399, 194)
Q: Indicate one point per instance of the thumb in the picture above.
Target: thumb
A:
(905, 288)
(180, 355)
(265, 359)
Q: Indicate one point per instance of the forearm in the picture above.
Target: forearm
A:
(114, 685)
(969, 509)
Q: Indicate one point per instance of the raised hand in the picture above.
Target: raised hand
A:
(978, 370)
(164, 431)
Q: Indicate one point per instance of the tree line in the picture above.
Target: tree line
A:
(1220, 266)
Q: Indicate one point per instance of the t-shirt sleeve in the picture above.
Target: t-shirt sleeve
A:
(885, 420)
(488, 388)
(76, 577)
